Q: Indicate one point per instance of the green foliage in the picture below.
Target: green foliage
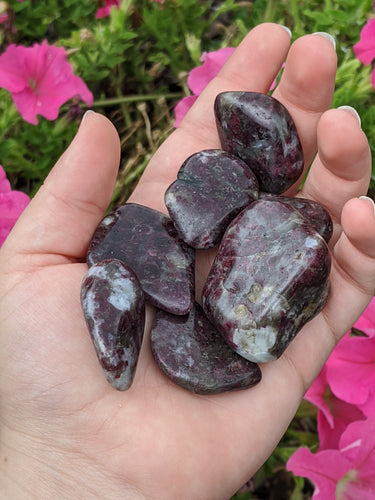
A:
(142, 53)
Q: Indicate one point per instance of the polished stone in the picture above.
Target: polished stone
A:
(313, 212)
(190, 351)
(259, 129)
(114, 310)
(270, 277)
(212, 187)
(147, 241)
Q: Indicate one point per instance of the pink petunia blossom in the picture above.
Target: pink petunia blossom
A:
(106, 9)
(12, 204)
(200, 77)
(351, 371)
(334, 414)
(346, 473)
(365, 48)
(40, 79)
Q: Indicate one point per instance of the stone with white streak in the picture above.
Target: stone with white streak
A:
(114, 309)
(270, 277)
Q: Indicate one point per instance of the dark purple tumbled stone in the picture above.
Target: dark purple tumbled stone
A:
(212, 187)
(114, 309)
(312, 211)
(259, 129)
(190, 351)
(269, 278)
(147, 241)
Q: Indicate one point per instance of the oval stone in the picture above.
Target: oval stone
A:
(190, 351)
(269, 278)
(313, 212)
(114, 310)
(259, 129)
(212, 187)
(147, 241)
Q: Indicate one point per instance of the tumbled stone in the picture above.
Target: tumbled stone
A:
(114, 309)
(259, 130)
(190, 351)
(269, 278)
(212, 187)
(147, 241)
(312, 211)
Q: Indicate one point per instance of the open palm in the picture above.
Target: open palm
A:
(65, 433)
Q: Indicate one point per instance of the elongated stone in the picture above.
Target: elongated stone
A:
(259, 129)
(114, 309)
(212, 187)
(312, 211)
(190, 351)
(269, 278)
(147, 241)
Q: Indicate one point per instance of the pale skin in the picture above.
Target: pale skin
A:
(65, 432)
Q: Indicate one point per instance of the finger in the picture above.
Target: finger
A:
(253, 66)
(342, 168)
(306, 88)
(352, 282)
(63, 215)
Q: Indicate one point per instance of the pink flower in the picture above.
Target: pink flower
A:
(334, 414)
(351, 372)
(346, 473)
(40, 79)
(200, 77)
(365, 48)
(106, 10)
(12, 203)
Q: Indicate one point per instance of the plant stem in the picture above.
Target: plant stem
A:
(296, 16)
(135, 98)
(269, 15)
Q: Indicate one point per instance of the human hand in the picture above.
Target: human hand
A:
(65, 432)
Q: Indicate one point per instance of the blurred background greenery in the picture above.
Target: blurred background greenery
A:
(136, 63)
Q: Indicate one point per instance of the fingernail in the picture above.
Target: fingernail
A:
(85, 115)
(327, 36)
(353, 111)
(370, 200)
(287, 30)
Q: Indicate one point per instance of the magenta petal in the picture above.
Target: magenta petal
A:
(342, 414)
(12, 205)
(323, 468)
(26, 104)
(365, 48)
(358, 445)
(182, 107)
(40, 79)
(200, 77)
(350, 369)
(317, 395)
(334, 414)
(4, 183)
(106, 10)
(368, 407)
(12, 74)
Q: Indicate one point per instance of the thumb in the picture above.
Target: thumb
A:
(63, 215)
